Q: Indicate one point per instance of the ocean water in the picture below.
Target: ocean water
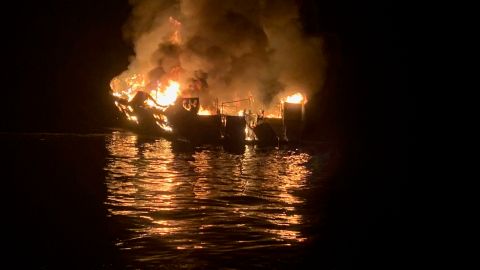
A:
(118, 200)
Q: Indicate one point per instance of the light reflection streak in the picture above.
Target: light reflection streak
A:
(191, 200)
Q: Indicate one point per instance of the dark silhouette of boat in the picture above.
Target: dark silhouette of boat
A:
(182, 122)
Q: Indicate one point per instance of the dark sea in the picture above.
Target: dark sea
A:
(117, 200)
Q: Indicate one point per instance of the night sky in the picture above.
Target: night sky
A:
(59, 57)
(62, 56)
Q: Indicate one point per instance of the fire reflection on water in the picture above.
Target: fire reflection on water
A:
(207, 198)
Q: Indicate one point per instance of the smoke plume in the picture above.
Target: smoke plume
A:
(229, 49)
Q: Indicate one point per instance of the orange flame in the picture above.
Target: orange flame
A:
(175, 38)
(271, 115)
(295, 98)
(203, 111)
(126, 88)
(166, 96)
(161, 94)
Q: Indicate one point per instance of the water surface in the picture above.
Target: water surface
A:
(123, 200)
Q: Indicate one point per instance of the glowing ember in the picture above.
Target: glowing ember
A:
(164, 126)
(132, 118)
(249, 134)
(295, 98)
(271, 115)
(203, 111)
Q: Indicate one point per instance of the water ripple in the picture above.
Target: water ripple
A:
(206, 199)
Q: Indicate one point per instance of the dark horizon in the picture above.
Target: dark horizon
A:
(62, 55)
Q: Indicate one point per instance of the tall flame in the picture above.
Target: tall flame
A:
(163, 94)
(175, 37)
(163, 90)
(168, 95)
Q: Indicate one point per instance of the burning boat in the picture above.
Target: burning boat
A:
(188, 80)
(183, 118)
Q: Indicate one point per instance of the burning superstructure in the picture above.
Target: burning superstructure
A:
(185, 118)
(217, 67)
